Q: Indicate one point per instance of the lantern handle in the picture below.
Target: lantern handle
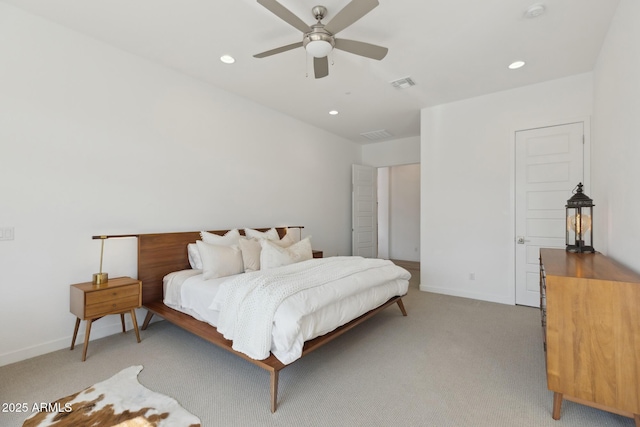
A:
(578, 188)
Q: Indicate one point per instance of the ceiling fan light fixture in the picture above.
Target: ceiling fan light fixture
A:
(318, 42)
(319, 48)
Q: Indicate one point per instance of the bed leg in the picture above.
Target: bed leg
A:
(401, 305)
(274, 390)
(147, 319)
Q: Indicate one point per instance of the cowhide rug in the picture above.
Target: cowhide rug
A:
(119, 401)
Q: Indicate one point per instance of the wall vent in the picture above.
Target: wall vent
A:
(377, 135)
(403, 83)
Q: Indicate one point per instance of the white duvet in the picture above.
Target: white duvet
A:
(303, 301)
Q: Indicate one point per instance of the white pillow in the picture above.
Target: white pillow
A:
(273, 256)
(286, 241)
(230, 238)
(219, 261)
(271, 234)
(295, 234)
(250, 254)
(194, 256)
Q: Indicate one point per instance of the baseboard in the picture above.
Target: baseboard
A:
(465, 294)
(98, 330)
(409, 265)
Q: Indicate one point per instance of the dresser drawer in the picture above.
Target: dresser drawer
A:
(112, 294)
(111, 306)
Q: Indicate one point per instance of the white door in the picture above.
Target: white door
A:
(549, 165)
(364, 211)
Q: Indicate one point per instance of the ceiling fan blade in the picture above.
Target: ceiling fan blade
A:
(321, 67)
(278, 50)
(350, 14)
(285, 14)
(361, 48)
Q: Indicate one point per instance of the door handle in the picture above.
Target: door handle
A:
(521, 240)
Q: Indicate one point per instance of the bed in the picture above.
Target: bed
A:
(163, 257)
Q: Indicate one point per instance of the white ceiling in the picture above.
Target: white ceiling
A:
(452, 49)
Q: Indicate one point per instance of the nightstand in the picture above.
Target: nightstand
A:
(91, 302)
(317, 254)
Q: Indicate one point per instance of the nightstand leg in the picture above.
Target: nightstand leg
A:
(75, 333)
(122, 321)
(86, 339)
(135, 324)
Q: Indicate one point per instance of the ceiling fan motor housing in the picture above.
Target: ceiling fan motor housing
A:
(319, 12)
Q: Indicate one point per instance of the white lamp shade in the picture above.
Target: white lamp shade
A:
(318, 48)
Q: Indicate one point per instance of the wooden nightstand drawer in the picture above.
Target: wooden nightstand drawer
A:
(108, 295)
(111, 306)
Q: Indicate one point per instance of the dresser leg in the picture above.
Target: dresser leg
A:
(135, 323)
(86, 339)
(75, 333)
(557, 405)
(636, 417)
(124, 330)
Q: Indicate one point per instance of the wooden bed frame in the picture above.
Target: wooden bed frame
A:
(159, 254)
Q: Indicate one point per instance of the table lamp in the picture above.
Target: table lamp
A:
(100, 277)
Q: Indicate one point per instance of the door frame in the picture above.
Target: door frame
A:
(374, 208)
(530, 125)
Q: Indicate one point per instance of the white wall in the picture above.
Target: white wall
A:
(402, 151)
(616, 147)
(97, 141)
(467, 183)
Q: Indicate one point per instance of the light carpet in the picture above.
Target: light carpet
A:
(120, 401)
(452, 362)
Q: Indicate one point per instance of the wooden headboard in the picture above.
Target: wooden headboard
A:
(161, 253)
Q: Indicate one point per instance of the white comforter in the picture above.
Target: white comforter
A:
(304, 315)
(248, 304)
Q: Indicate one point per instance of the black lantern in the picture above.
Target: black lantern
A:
(580, 222)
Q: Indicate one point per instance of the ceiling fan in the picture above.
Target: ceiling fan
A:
(319, 39)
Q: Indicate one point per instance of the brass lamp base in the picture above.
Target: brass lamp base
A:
(100, 278)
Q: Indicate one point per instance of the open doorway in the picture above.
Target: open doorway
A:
(399, 214)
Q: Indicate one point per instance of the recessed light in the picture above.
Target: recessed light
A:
(333, 112)
(517, 64)
(227, 59)
(534, 11)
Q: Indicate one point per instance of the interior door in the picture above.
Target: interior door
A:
(364, 229)
(549, 165)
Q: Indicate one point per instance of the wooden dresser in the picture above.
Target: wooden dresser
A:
(590, 308)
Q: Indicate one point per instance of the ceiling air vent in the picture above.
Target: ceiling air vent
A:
(376, 135)
(403, 83)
